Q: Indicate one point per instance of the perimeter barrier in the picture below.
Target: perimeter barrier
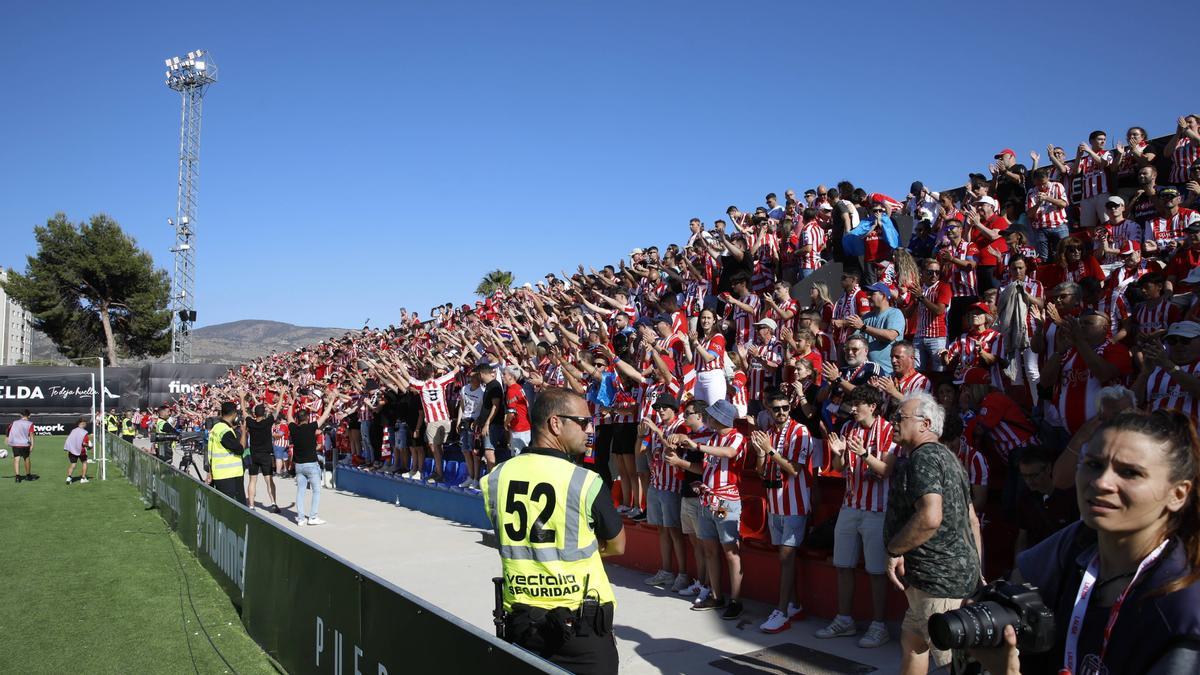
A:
(310, 610)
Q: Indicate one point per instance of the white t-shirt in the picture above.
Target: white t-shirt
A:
(19, 433)
(470, 399)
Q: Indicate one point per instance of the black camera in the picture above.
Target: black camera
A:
(981, 624)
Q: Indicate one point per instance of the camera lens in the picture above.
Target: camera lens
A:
(978, 625)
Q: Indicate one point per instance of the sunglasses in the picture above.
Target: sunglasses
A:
(583, 422)
(1178, 340)
(780, 408)
(1112, 206)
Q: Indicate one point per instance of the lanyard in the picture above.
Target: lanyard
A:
(1086, 586)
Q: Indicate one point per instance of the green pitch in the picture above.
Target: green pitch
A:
(90, 582)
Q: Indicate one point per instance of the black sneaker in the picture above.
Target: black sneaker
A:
(637, 515)
(710, 603)
(19, 478)
(274, 508)
(732, 610)
(32, 476)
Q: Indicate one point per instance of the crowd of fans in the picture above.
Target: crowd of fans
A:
(1034, 303)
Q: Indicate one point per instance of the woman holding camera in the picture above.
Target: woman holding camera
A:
(1124, 581)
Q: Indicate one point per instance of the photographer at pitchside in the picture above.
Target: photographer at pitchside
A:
(1124, 582)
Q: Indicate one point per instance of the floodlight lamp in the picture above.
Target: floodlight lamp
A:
(184, 220)
(184, 247)
(191, 55)
(199, 53)
(168, 62)
(199, 65)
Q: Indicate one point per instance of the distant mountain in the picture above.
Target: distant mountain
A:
(239, 341)
(233, 342)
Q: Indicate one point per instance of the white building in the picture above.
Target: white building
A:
(16, 330)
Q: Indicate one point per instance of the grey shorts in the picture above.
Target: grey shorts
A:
(663, 508)
(727, 529)
(856, 531)
(689, 514)
(786, 530)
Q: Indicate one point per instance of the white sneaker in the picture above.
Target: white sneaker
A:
(301, 521)
(475, 484)
(84, 480)
(68, 480)
(705, 591)
(776, 623)
(465, 484)
(693, 589)
(794, 611)
(315, 521)
(661, 578)
(681, 582)
(839, 627)
(876, 635)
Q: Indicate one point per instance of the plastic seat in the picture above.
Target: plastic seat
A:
(753, 523)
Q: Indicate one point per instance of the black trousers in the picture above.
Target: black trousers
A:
(591, 655)
(234, 488)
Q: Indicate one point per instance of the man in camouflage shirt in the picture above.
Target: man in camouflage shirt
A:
(930, 528)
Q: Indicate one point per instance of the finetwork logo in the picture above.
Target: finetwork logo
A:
(177, 387)
(49, 429)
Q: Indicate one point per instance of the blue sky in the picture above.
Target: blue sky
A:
(359, 157)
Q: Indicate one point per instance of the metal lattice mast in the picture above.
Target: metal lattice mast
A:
(190, 76)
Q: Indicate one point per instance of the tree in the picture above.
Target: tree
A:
(494, 281)
(90, 287)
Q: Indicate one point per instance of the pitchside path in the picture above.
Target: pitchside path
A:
(451, 566)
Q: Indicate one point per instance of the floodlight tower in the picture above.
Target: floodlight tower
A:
(190, 76)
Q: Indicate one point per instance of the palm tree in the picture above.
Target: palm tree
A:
(494, 281)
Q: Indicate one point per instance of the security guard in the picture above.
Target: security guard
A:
(128, 431)
(554, 520)
(110, 422)
(162, 426)
(225, 456)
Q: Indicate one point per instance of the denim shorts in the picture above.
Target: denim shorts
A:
(786, 530)
(663, 508)
(281, 452)
(725, 529)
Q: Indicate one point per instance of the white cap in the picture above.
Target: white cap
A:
(988, 200)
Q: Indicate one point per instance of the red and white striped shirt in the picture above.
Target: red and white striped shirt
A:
(812, 234)
(973, 461)
(1044, 214)
(1008, 425)
(743, 321)
(693, 296)
(912, 382)
(765, 360)
(1184, 156)
(1093, 174)
(965, 351)
(1164, 393)
(714, 345)
(929, 324)
(1153, 316)
(1171, 231)
(866, 490)
(433, 397)
(1112, 303)
(663, 476)
(723, 475)
(788, 305)
(765, 258)
(852, 302)
(794, 444)
(1076, 394)
(962, 279)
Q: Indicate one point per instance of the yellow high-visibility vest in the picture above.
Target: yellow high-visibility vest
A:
(540, 507)
(222, 463)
